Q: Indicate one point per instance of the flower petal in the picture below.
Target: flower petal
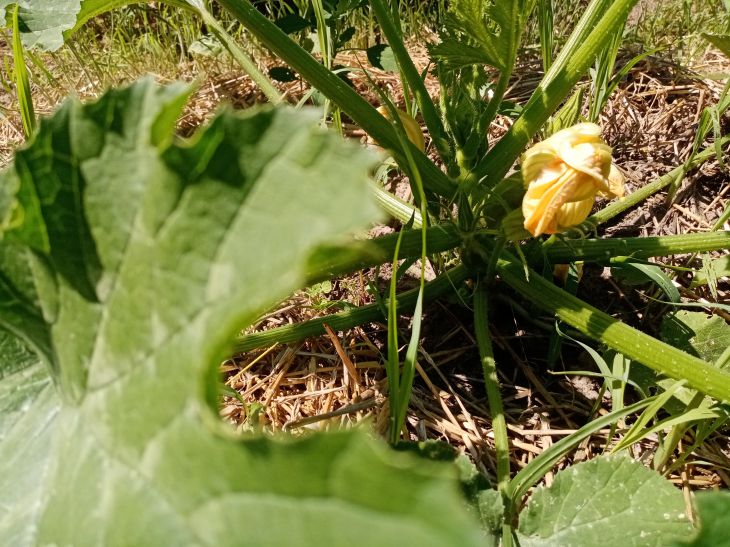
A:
(562, 176)
(572, 214)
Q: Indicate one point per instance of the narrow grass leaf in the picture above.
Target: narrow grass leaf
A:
(651, 273)
(22, 81)
(529, 475)
(638, 429)
(687, 417)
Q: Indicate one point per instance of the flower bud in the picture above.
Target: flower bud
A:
(563, 174)
(412, 129)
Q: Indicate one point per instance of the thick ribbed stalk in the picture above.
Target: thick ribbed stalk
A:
(562, 252)
(570, 66)
(600, 326)
(350, 318)
(396, 207)
(335, 89)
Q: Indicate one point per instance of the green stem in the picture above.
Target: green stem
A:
(644, 192)
(373, 252)
(568, 69)
(562, 252)
(334, 88)
(600, 326)
(413, 78)
(491, 381)
(350, 318)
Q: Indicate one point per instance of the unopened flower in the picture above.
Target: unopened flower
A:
(412, 129)
(563, 174)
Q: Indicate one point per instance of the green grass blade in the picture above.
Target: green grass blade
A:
(681, 421)
(240, 56)
(602, 74)
(668, 445)
(613, 83)
(392, 363)
(545, 26)
(409, 363)
(652, 273)
(22, 81)
(536, 469)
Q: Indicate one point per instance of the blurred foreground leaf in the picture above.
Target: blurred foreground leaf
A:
(147, 255)
(713, 512)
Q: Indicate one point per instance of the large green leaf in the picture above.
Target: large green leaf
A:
(697, 333)
(46, 23)
(713, 511)
(148, 255)
(720, 41)
(43, 22)
(606, 501)
(28, 409)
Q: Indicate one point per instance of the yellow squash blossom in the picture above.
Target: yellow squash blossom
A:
(563, 174)
(413, 130)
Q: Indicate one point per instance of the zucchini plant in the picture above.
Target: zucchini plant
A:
(129, 258)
